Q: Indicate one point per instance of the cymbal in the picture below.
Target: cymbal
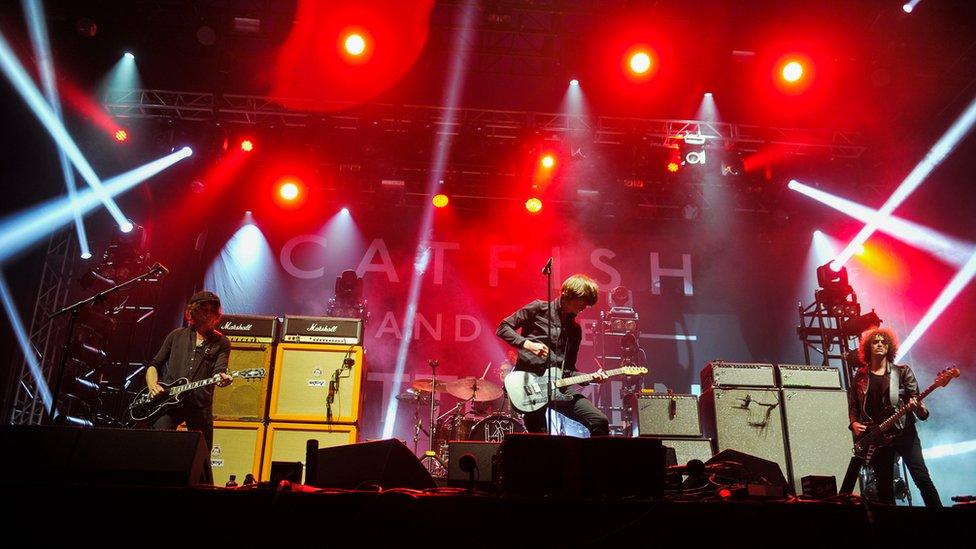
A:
(424, 385)
(479, 390)
(413, 395)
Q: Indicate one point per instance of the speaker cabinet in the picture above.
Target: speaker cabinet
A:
(667, 416)
(485, 458)
(386, 463)
(816, 426)
(747, 420)
(236, 450)
(245, 399)
(57, 455)
(687, 449)
(287, 441)
(302, 375)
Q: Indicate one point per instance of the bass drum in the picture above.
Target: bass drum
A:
(494, 427)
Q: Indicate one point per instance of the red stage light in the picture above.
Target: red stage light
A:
(533, 205)
(792, 71)
(440, 200)
(247, 145)
(289, 191)
(121, 135)
(640, 62)
(354, 44)
(548, 161)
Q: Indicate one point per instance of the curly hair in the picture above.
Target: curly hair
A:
(864, 347)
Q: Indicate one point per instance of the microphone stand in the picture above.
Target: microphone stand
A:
(74, 310)
(547, 270)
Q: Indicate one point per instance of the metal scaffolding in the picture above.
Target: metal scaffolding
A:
(26, 407)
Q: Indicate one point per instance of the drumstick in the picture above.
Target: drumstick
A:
(488, 367)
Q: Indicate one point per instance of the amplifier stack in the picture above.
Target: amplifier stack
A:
(312, 390)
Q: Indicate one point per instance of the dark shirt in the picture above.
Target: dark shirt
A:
(532, 320)
(876, 404)
(180, 357)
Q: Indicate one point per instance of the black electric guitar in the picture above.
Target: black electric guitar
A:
(878, 435)
(529, 391)
(144, 406)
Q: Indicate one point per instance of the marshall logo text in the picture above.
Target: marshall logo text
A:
(327, 329)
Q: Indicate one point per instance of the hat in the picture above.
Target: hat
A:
(204, 297)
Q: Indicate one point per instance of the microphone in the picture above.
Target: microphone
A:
(548, 268)
(746, 401)
(348, 362)
(159, 269)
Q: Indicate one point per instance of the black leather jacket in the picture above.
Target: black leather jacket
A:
(902, 386)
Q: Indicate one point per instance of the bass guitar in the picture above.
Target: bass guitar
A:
(144, 406)
(879, 435)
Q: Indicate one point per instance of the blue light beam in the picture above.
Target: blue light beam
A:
(21, 230)
(25, 346)
(45, 65)
(25, 86)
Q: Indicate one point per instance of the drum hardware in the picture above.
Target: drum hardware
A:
(472, 388)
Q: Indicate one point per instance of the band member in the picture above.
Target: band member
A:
(879, 387)
(196, 352)
(578, 292)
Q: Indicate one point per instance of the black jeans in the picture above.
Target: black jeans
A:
(909, 448)
(578, 409)
(197, 419)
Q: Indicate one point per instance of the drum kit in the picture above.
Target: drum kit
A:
(460, 422)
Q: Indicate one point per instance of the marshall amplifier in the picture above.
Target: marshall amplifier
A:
(736, 374)
(248, 329)
(330, 331)
(809, 377)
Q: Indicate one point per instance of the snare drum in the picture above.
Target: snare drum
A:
(494, 427)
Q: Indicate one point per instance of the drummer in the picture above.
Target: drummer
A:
(500, 404)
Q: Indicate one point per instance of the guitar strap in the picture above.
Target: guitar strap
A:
(894, 384)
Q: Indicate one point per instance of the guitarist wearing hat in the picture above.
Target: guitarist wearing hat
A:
(534, 344)
(195, 352)
(879, 387)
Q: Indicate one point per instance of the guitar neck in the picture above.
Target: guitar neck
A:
(888, 423)
(196, 384)
(583, 378)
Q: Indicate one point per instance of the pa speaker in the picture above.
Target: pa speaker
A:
(245, 399)
(598, 466)
(386, 463)
(73, 455)
(747, 420)
(288, 441)
(819, 440)
(750, 468)
(302, 376)
(485, 461)
(237, 448)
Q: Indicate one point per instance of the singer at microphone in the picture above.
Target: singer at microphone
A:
(528, 330)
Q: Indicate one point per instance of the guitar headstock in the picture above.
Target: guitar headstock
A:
(634, 370)
(945, 376)
(253, 373)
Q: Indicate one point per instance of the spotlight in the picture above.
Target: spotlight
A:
(533, 205)
(792, 71)
(548, 161)
(345, 211)
(574, 82)
(288, 191)
(247, 145)
(121, 135)
(440, 200)
(355, 44)
(673, 167)
(640, 62)
(86, 255)
(128, 55)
